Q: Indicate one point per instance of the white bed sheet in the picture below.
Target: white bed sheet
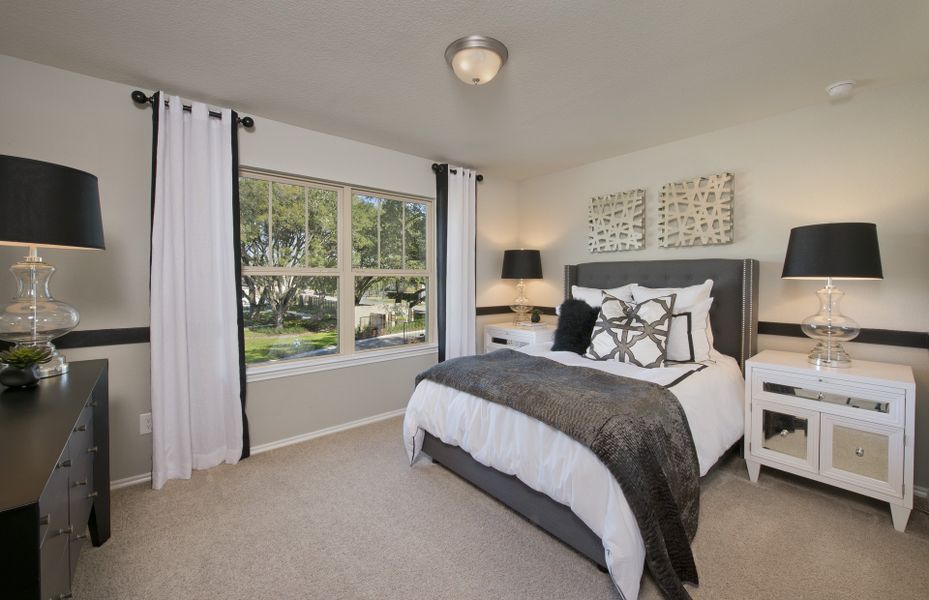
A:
(550, 462)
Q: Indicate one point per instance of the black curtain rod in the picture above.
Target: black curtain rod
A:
(436, 167)
(139, 97)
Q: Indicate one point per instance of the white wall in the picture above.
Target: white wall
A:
(863, 159)
(91, 124)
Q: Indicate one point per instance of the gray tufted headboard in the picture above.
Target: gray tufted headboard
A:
(734, 314)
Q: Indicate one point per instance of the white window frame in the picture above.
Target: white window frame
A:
(347, 355)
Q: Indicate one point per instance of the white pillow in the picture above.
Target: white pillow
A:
(687, 339)
(696, 300)
(687, 297)
(594, 296)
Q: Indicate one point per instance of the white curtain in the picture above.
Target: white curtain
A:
(459, 277)
(196, 406)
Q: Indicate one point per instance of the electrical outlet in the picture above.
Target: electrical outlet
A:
(145, 423)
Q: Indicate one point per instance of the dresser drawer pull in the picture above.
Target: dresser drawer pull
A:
(45, 519)
(68, 529)
(64, 463)
(92, 494)
(80, 536)
(81, 428)
(92, 450)
(79, 483)
(859, 452)
(63, 596)
(784, 433)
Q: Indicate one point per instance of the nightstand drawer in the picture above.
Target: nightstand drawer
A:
(830, 395)
(863, 454)
(785, 434)
(506, 335)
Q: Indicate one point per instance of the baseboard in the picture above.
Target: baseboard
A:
(303, 437)
(147, 477)
(128, 481)
(920, 492)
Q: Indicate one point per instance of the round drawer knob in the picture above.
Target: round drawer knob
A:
(784, 433)
(859, 452)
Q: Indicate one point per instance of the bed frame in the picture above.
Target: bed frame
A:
(734, 320)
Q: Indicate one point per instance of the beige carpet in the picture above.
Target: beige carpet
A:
(345, 517)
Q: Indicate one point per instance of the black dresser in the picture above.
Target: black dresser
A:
(54, 480)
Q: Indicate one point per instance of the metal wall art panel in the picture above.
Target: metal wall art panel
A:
(616, 222)
(697, 212)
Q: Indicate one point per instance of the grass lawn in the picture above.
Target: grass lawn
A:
(262, 347)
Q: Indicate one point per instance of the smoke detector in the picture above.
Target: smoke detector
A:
(840, 89)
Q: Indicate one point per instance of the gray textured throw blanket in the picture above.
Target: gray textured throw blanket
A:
(637, 428)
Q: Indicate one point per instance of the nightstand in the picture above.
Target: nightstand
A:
(508, 335)
(851, 428)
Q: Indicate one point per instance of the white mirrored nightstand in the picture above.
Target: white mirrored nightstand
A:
(851, 427)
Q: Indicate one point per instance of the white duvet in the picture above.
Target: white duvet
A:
(550, 462)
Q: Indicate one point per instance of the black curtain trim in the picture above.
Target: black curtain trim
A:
(441, 248)
(151, 225)
(236, 249)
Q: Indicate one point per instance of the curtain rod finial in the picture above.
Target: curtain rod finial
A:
(247, 122)
(139, 97)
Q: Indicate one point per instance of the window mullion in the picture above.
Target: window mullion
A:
(380, 205)
(270, 227)
(346, 280)
(306, 226)
(403, 235)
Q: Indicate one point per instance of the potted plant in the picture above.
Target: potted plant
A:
(22, 368)
(536, 315)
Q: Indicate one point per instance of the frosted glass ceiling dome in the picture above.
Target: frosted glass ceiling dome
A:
(476, 59)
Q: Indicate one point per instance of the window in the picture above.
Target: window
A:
(331, 269)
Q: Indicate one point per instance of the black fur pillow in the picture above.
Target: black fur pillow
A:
(575, 325)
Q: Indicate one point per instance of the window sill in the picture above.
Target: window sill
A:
(313, 365)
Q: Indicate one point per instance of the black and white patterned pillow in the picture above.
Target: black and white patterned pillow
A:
(632, 333)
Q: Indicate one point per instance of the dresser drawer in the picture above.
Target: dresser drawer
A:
(81, 484)
(53, 504)
(55, 566)
(831, 395)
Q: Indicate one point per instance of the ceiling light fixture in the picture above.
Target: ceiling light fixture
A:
(840, 89)
(476, 59)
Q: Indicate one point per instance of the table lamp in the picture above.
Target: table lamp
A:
(521, 264)
(48, 205)
(832, 251)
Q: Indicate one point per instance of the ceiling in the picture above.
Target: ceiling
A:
(585, 80)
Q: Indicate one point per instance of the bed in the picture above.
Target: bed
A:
(557, 483)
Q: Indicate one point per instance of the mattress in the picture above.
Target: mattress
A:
(554, 464)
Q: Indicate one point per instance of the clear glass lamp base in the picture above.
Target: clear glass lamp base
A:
(521, 305)
(56, 366)
(830, 328)
(34, 317)
(825, 354)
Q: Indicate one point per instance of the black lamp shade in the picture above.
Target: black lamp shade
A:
(837, 250)
(522, 264)
(43, 204)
